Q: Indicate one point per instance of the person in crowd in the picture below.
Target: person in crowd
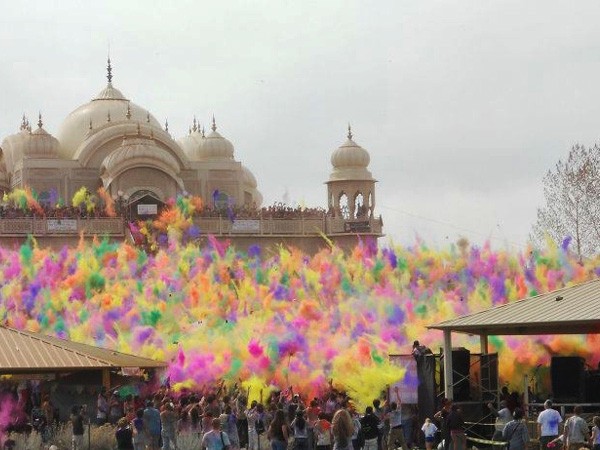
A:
(396, 433)
(442, 417)
(380, 414)
(515, 432)
(242, 420)
(357, 437)
(595, 439)
(115, 409)
(124, 435)
(503, 416)
(547, 424)
(215, 439)
(278, 433)
(169, 419)
(299, 428)
(138, 429)
(576, 430)
(77, 425)
(229, 426)
(102, 407)
(369, 424)
(323, 432)
(152, 425)
(129, 407)
(429, 430)
(343, 429)
(456, 424)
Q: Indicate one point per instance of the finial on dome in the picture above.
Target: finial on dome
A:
(148, 116)
(23, 123)
(108, 116)
(128, 113)
(139, 129)
(167, 125)
(194, 125)
(349, 131)
(203, 132)
(109, 71)
(214, 124)
(90, 127)
(190, 130)
(40, 123)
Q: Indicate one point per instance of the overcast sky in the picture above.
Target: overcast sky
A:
(463, 105)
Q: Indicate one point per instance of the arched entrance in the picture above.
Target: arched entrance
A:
(144, 204)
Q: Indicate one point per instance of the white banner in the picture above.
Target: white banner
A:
(147, 210)
(409, 386)
(245, 226)
(57, 225)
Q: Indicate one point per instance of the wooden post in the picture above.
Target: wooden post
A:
(106, 378)
(483, 342)
(448, 374)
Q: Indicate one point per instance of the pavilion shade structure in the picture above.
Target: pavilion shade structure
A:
(570, 310)
(28, 352)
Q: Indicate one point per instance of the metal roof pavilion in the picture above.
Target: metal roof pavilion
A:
(570, 310)
(29, 352)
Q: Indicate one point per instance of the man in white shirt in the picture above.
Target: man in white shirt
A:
(215, 439)
(548, 421)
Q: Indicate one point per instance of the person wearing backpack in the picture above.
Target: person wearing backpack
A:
(215, 439)
(515, 432)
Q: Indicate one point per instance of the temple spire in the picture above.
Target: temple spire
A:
(349, 132)
(128, 113)
(214, 124)
(108, 116)
(167, 125)
(24, 123)
(109, 71)
(195, 125)
(203, 132)
(40, 123)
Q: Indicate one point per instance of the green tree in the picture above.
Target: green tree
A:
(572, 202)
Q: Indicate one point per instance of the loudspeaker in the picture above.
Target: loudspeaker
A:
(489, 376)
(592, 387)
(461, 363)
(568, 378)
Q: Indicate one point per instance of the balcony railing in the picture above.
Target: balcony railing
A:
(220, 226)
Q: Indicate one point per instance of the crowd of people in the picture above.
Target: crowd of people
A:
(228, 422)
(285, 420)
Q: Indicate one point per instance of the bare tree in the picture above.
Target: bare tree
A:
(572, 208)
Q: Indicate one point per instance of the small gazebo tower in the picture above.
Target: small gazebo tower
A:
(351, 187)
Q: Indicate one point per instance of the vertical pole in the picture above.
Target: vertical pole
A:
(106, 379)
(448, 375)
(483, 342)
(526, 395)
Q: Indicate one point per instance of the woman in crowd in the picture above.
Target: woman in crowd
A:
(343, 429)
(278, 432)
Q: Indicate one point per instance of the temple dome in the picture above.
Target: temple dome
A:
(192, 142)
(214, 146)
(350, 161)
(109, 106)
(248, 178)
(41, 144)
